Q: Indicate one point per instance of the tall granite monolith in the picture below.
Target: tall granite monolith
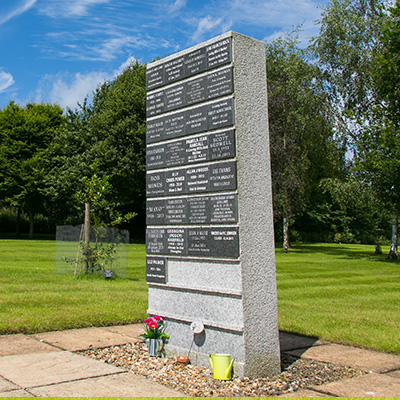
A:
(210, 242)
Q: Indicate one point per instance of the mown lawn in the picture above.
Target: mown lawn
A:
(34, 299)
(341, 293)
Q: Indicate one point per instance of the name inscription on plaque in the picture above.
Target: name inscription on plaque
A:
(207, 178)
(195, 120)
(216, 209)
(205, 242)
(215, 84)
(193, 63)
(156, 270)
(216, 146)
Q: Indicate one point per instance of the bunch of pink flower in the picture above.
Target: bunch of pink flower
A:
(155, 328)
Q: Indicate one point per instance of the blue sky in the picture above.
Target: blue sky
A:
(58, 51)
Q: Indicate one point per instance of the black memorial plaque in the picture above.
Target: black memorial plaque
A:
(195, 62)
(155, 241)
(194, 149)
(220, 114)
(197, 149)
(198, 210)
(155, 77)
(174, 125)
(176, 241)
(219, 53)
(174, 97)
(222, 145)
(195, 91)
(155, 184)
(155, 157)
(175, 182)
(220, 242)
(175, 153)
(222, 176)
(155, 103)
(155, 212)
(155, 130)
(173, 70)
(223, 209)
(219, 83)
(198, 242)
(156, 270)
(213, 242)
(197, 179)
(196, 120)
(175, 211)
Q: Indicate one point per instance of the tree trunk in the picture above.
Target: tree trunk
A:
(393, 247)
(30, 213)
(86, 236)
(285, 234)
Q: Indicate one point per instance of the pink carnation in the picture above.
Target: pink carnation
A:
(148, 320)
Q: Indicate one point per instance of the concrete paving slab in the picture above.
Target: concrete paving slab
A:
(21, 344)
(6, 385)
(83, 339)
(351, 357)
(304, 393)
(371, 385)
(131, 331)
(288, 341)
(122, 385)
(16, 393)
(31, 370)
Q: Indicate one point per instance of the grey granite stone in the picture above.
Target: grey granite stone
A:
(230, 289)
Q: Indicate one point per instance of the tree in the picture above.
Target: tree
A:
(357, 52)
(105, 138)
(384, 158)
(25, 133)
(300, 129)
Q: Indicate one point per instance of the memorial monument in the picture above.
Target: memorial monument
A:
(210, 243)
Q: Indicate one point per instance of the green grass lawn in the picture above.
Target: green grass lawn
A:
(34, 299)
(341, 293)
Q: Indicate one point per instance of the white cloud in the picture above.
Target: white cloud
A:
(205, 25)
(178, 4)
(6, 80)
(71, 8)
(20, 9)
(67, 90)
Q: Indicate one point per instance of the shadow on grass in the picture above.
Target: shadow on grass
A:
(340, 251)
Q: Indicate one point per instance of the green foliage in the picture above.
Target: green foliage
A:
(25, 133)
(303, 150)
(358, 49)
(102, 142)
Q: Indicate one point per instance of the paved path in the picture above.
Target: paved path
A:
(44, 365)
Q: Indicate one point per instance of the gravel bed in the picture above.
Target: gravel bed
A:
(198, 381)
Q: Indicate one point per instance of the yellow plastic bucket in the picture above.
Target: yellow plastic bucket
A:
(221, 365)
